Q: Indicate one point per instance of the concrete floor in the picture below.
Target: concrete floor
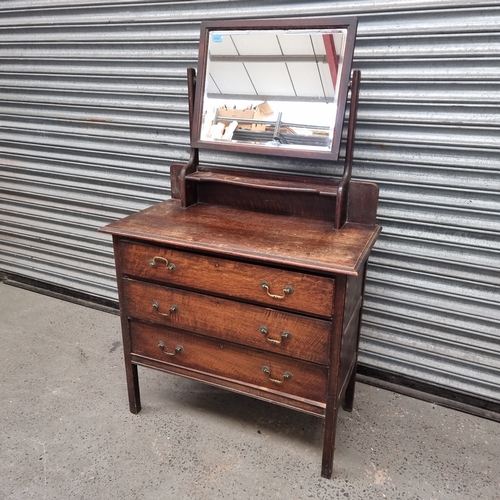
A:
(67, 432)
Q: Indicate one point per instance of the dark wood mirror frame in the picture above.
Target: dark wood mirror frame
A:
(296, 195)
(294, 26)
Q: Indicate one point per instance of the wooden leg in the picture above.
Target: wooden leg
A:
(134, 397)
(131, 372)
(329, 440)
(351, 385)
(349, 392)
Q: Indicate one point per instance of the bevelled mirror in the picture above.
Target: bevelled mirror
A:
(273, 87)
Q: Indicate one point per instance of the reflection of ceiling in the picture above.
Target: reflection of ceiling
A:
(274, 66)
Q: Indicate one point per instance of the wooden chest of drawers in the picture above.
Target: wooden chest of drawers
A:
(262, 304)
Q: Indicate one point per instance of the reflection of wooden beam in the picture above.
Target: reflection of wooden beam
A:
(331, 57)
(267, 97)
(266, 59)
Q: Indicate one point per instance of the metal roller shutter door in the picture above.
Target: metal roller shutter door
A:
(93, 109)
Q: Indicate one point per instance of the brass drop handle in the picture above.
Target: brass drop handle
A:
(170, 266)
(288, 290)
(178, 349)
(173, 309)
(286, 375)
(284, 335)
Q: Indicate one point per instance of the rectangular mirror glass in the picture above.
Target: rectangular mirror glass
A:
(274, 86)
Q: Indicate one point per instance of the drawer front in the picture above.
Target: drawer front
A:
(264, 370)
(255, 326)
(278, 288)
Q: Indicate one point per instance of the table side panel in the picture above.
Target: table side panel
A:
(350, 329)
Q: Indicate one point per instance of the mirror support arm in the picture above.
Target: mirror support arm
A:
(187, 196)
(343, 189)
(277, 128)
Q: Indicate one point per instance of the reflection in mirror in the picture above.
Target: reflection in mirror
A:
(274, 88)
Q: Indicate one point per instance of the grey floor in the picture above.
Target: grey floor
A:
(66, 432)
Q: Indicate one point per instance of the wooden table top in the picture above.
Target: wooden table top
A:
(269, 238)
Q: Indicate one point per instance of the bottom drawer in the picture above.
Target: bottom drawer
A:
(267, 371)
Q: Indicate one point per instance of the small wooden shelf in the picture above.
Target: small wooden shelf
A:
(298, 185)
(296, 195)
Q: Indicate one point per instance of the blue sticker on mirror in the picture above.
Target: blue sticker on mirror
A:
(216, 38)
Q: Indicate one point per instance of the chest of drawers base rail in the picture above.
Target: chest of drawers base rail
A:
(271, 311)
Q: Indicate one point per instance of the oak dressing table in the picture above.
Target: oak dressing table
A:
(246, 280)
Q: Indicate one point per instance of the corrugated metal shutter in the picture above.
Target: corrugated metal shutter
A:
(93, 110)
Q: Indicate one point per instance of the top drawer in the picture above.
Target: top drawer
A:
(279, 288)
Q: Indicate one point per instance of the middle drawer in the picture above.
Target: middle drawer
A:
(254, 326)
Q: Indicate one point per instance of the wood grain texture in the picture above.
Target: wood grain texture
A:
(259, 198)
(132, 376)
(278, 240)
(353, 293)
(311, 294)
(274, 182)
(175, 184)
(362, 203)
(229, 320)
(230, 361)
(287, 400)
